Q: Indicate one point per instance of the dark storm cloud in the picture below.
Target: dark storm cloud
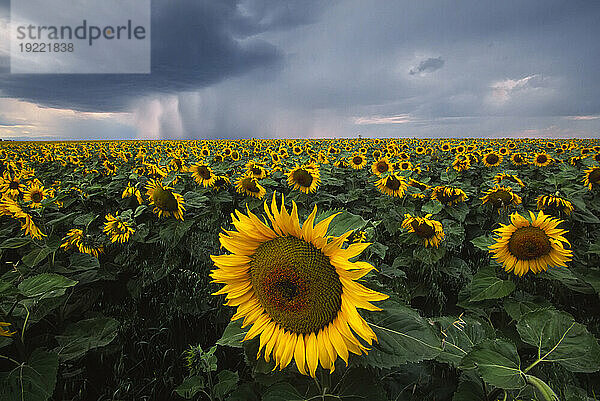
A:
(428, 65)
(194, 44)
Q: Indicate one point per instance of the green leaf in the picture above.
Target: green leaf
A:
(174, 231)
(80, 337)
(282, 392)
(402, 336)
(429, 255)
(461, 335)
(83, 261)
(498, 363)
(560, 339)
(459, 212)
(190, 387)
(516, 309)
(485, 285)
(233, 334)
(432, 207)
(33, 381)
(85, 219)
(195, 200)
(37, 255)
(345, 222)
(469, 391)
(483, 242)
(568, 279)
(243, 392)
(226, 383)
(13, 243)
(360, 384)
(45, 285)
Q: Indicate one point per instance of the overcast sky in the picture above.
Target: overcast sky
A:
(302, 69)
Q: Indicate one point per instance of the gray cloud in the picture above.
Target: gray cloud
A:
(428, 65)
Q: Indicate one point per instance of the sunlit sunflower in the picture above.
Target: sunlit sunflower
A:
(429, 231)
(554, 205)
(296, 287)
(448, 195)
(256, 170)
(117, 229)
(203, 175)
(392, 185)
(404, 166)
(492, 159)
(132, 191)
(541, 159)
(165, 201)
(533, 244)
(381, 166)
(592, 177)
(249, 185)
(461, 163)
(306, 178)
(10, 207)
(73, 239)
(501, 197)
(220, 182)
(519, 159)
(498, 178)
(35, 194)
(357, 161)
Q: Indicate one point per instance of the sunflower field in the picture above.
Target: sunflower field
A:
(333, 269)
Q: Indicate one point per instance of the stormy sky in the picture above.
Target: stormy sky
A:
(309, 69)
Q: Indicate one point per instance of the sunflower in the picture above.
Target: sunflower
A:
(392, 185)
(519, 159)
(220, 182)
(498, 178)
(429, 231)
(296, 287)
(10, 207)
(554, 205)
(417, 184)
(249, 185)
(357, 161)
(35, 194)
(10, 184)
(203, 175)
(501, 197)
(592, 177)
(73, 239)
(461, 163)
(381, 165)
(132, 191)
(448, 195)
(117, 229)
(306, 178)
(404, 166)
(4, 332)
(532, 244)
(492, 159)
(541, 159)
(165, 201)
(256, 170)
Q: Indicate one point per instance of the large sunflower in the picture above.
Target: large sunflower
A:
(11, 185)
(357, 161)
(492, 159)
(532, 244)
(35, 194)
(117, 229)
(592, 177)
(429, 231)
(392, 185)
(305, 178)
(381, 166)
(296, 287)
(165, 201)
(541, 159)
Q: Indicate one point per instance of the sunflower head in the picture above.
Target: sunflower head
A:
(501, 197)
(381, 166)
(448, 195)
(592, 177)
(492, 159)
(541, 159)
(249, 185)
(203, 175)
(357, 161)
(392, 185)
(554, 205)
(429, 231)
(305, 178)
(296, 287)
(166, 202)
(532, 244)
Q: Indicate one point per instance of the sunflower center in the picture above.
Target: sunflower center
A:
(382, 167)
(518, 159)
(595, 176)
(204, 172)
(423, 229)
(296, 284)
(393, 183)
(542, 159)
(256, 171)
(492, 159)
(36, 197)
(500, 198)
(249, 185)
(357, 160)
(529, 243)
(303, 177)
(13, 185)
(164, 199)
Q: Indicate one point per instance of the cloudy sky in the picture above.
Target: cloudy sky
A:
(302, 69)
